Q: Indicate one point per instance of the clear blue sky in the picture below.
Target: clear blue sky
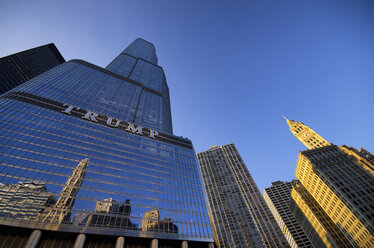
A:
(233, 67)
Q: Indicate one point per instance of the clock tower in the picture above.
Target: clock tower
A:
(306, 135)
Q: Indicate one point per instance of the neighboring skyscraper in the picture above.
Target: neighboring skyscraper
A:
(306, 135)
(239, 212)
(362, 157)
(341, 182)
(278, 199)
(18, 68)
(316, 223)
(122, 123)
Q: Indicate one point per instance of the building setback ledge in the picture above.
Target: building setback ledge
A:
(85, 63)
(59, 107)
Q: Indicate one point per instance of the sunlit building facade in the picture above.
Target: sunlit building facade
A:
(320, 229)
(99, 145)
(240, 215)
(340, 181)
(361, 157)
(278, 196)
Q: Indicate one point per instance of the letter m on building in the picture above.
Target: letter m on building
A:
(137, 130)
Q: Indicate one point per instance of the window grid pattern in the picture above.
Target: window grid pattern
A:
(142, 49)
(278, 199)
(319, 227)
(153, 110)
(18, 68)
(106, 94)
(247, 221)
(127, 175)
(343, 189)
(306, 135)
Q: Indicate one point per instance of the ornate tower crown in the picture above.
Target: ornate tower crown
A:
(306, 135)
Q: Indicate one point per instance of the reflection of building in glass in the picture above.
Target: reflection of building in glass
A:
(335, 191)
(111, 213)
(61, 210)
(151, 222)
(120, 118)
(112, 206)
(239, 212)
(278, 199)
(24, 201)
(17, 68)
(150, 219)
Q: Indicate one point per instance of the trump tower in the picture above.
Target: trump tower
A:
(88, 159)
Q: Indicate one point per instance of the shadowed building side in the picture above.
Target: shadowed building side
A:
(312, 213)
(362, 157)
(20, 67)
(278, 197)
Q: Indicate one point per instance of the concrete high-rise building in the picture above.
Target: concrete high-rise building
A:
(362, 157)
(306, 135)
(316, 223)
(340, 181)
(17, 68)
(278, 196)
(120, 119)
(240, 215)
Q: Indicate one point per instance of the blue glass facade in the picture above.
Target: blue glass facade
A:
(139, 63)
(98, 148)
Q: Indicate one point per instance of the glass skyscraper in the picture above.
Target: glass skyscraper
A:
(240, 215)
(95, 149)
(20, 67)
